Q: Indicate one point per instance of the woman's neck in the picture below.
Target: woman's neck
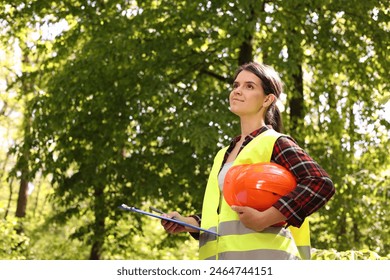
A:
(248, 125)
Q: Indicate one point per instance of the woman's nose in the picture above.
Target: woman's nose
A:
(237, 91)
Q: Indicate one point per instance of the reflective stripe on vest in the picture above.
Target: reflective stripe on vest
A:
(235, 240)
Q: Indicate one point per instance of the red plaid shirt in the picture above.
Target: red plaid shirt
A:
(314, 187)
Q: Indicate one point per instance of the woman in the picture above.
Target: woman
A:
(246, 233)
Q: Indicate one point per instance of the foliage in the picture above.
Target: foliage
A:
(14, 244)
(148, 244)
(360, 216)
(332, 254)
(128, 104)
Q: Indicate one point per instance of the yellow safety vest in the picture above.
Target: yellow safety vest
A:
(235, 241)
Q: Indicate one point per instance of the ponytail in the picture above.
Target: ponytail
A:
(273, 117)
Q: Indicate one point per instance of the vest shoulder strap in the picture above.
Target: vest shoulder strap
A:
(259, 149)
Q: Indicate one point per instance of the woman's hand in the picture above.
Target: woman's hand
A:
(258, 220)
(172, 227)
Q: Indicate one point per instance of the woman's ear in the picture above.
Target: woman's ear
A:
(269, 99)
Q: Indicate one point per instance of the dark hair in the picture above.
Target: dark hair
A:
(271, 83)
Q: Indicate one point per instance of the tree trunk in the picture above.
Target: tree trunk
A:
(296, 104)
(246, 48)
(23, 160)
(296, 101)
(96, 250)
(9, 198)
(23, 167)
(246, 51)
(99, 226)
(22, 199)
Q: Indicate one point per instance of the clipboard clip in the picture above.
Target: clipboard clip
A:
(128, 208)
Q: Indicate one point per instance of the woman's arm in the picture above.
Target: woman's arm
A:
(314, 186)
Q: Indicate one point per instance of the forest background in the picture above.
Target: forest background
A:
(108, 102)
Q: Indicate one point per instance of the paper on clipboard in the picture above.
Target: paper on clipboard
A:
(136, 210)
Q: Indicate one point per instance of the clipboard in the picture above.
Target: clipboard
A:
(139, 211)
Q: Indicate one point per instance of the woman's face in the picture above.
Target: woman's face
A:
(247, 96)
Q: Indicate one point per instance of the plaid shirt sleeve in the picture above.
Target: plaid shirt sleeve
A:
(314, 187)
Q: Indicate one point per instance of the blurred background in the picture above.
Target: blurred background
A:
(108, 102)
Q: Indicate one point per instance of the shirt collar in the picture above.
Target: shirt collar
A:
(251, 135)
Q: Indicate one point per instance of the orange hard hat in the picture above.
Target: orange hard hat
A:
(257, 185)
